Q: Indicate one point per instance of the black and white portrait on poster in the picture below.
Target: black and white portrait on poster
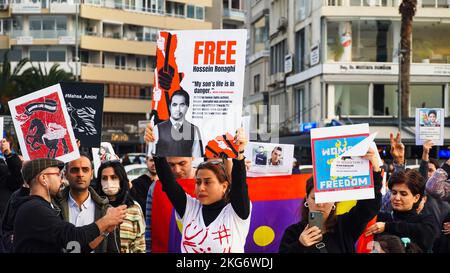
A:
(84, 103)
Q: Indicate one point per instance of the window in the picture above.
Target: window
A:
(300, 50)
(360, 41)
(141, 63)
(190, 11)
(56, 55)
(195, 12)
(385, 100)
(261, 34)
(120, 61)
(174, 8)
(15, 54)
(352, 100)
(199, 13)
(299, 105)
(38, 54)
(426, 96)
(277, 53)
(302, 9)
(429, 45)
(256, 83)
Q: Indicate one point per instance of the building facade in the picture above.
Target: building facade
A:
(103, 41)
(338, 59)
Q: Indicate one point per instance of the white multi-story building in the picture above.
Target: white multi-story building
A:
(338, 59)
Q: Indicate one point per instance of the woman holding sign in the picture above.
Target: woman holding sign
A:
(333, 234)
(218, 219)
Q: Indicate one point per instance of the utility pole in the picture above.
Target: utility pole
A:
(77, 59)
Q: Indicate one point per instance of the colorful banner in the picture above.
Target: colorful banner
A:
(269, 159)
(84, 103)
(198, 92)
(328, 144)
(43, 125)
(430, 125)
(270, 197)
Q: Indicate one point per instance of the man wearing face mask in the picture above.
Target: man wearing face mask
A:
(80, 204)
(39, 226)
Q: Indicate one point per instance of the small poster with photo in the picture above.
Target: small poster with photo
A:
(270, 159)
(102, 154)
(430, 125)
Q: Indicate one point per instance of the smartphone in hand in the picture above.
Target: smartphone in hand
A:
(315, 219)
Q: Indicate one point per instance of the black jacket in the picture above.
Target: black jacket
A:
(140, 188)
(101, 206)
(420, 228)
(348, 228)
(17, 198)
(10, 179)
(39, 228)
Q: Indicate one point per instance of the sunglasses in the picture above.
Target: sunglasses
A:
(215, 162)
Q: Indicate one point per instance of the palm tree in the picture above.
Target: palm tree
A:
(8, 80)
(407, 9)
(35, 78)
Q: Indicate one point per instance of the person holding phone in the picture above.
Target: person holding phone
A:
(331, 233)
(112, 181)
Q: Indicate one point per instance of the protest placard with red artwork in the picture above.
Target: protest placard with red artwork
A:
(43, 126)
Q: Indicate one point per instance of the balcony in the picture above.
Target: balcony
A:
(26, 8)
(63, 8)
(69, 67)
(234, 14)
(140, 17)
(41, 37)
(114, 43)
(105, 73)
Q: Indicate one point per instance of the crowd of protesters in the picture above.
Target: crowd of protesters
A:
(107, 213)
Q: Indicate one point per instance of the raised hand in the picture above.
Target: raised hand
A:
(241, 140)
(149, 135)
(427, 145)
(371, 156)
(397, 149)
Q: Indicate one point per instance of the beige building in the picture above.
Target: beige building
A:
(115, 46)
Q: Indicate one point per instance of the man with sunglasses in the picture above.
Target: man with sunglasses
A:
(39, 227)
(80, 204)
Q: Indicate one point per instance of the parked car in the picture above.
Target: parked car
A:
(135, 170)
(135, 158)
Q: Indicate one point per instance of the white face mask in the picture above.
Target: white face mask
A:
(111, 187)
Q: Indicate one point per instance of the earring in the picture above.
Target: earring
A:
(333, 207)
(306, 204)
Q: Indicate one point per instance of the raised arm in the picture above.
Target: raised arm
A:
(170, 186)
(239, 189)
(174, 191)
